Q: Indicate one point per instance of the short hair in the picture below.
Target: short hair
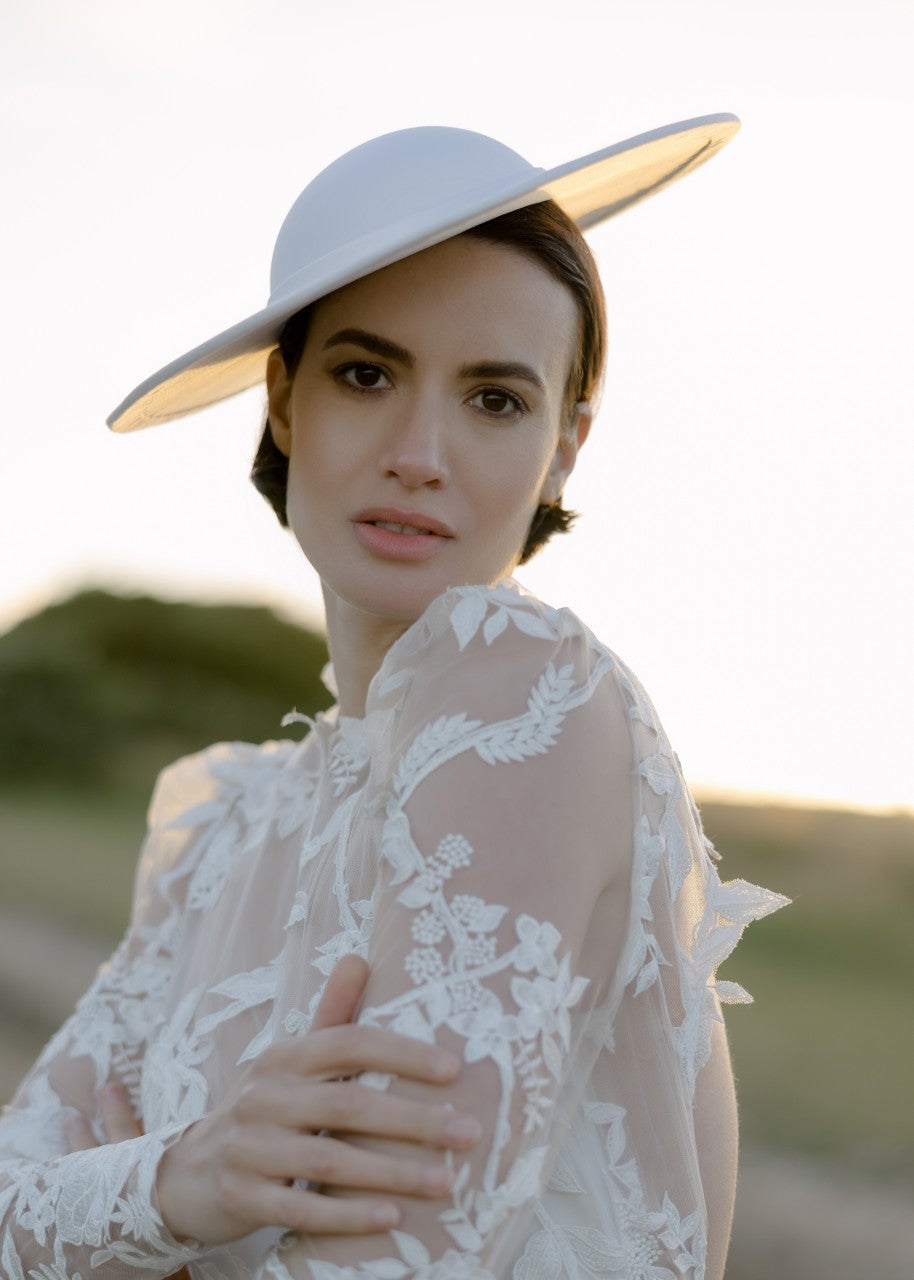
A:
(544, 233)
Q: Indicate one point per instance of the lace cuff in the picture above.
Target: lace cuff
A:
(90, 1213)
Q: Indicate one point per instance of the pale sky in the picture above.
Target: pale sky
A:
(746, 493)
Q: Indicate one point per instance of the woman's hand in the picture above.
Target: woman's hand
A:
(234, 1170)
(117, 1119)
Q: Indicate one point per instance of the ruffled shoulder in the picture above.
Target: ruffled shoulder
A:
(211, 775)
(192, 819)
(685, 920)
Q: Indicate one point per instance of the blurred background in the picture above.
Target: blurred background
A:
(746, 534)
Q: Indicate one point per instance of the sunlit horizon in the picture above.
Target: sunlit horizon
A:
(310, 615)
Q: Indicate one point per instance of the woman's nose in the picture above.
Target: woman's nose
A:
(416, 453)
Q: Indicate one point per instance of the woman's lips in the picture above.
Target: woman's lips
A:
(401, 535)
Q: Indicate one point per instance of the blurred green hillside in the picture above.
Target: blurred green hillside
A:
(100, 691)
(96, 694)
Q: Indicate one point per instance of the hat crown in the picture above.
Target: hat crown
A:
(395, 180)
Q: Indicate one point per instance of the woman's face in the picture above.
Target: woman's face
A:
(424, 423)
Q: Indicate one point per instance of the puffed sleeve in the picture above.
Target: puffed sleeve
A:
(501, 912)
(94, 1212)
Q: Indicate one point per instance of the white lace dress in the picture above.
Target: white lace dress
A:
(507, 838)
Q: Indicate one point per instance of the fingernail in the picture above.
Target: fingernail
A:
(115, 1092)
(463, 1129)
(385, 1215)
(437, 1178)
(441, 1063)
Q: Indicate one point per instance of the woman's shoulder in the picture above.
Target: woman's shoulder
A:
(205, 780)
(487, 613)
(497, 655)
(502, 630)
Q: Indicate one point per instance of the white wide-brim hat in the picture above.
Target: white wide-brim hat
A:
(394, 196)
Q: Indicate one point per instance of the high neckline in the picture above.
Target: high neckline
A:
(416, 636)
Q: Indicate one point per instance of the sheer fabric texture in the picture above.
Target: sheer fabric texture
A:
(507, 838)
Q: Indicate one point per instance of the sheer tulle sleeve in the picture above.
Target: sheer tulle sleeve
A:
(501, 910)
(94, 1212)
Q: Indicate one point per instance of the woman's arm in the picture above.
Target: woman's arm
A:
(500, 914)
(90, 1212)
(716, 1134)
(95, 1211)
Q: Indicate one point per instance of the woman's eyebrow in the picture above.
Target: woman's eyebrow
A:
(372, 342)
(378, 346)
(503, 369)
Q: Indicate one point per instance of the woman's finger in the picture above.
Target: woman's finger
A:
(120, 1123)
(116, 1116)
(347, 1107)
(316, 1214)
(324, 1161)
(342, 993)
(348, 1050)
(78, 1133)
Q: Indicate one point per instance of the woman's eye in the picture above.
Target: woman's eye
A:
(362, 376)
(499, 403)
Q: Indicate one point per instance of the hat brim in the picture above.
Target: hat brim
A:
(590, 190)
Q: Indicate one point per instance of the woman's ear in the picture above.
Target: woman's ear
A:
(574, 433)
(279, 392)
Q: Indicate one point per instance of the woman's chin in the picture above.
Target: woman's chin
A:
(400, 596)
(402, 593)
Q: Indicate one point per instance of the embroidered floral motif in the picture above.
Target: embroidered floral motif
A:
(493, 612)
(349, 754)
(459, 951)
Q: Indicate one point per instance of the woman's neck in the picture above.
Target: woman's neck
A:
(358, 642)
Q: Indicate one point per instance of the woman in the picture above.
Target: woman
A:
(491, 817)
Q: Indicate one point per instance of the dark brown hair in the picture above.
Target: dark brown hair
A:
(547, 235)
